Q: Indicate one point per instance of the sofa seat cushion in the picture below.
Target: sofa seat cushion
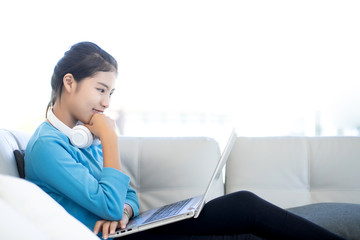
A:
(340, 218)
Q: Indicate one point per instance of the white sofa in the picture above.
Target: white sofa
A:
(322, 173)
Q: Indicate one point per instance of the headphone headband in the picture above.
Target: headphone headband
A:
(57, 123)
(80, 136)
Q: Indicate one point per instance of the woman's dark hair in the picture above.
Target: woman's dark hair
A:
(82, 60)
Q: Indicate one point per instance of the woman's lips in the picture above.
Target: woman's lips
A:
(97, 111)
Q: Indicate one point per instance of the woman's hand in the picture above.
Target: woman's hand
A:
(101, 125)
(109, 227)
(104, 127)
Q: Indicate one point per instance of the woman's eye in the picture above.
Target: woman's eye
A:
(101, 90)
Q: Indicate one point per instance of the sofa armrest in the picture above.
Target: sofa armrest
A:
(35, 209)
(10, 141)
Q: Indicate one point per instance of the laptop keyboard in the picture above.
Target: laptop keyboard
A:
(167, 211)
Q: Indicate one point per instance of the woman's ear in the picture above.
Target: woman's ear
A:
(69, 82)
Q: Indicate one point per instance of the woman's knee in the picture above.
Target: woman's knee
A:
(239, 199)
(243, 196)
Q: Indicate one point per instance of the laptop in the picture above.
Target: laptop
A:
(177, 211)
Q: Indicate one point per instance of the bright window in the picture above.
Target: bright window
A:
(194, 67)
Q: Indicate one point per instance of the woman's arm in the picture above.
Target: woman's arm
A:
(65, 175)
(109, 143)
(104, 127)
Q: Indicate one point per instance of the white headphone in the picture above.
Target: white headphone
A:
(80, 136)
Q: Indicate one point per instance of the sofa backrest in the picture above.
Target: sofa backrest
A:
(164, 169)
(10, 141)
(294, 171)
(287, 171)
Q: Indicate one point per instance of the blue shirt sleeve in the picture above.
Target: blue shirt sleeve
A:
(57, 166)
(132, 200)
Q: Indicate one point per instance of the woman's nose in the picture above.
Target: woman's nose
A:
(105, 102)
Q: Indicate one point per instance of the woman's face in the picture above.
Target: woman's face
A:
(92, 95)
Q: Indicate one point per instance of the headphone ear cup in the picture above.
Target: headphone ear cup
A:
(81, 137)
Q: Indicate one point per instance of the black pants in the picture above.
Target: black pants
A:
(233, 215)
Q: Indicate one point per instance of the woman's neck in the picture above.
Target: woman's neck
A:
(64, 115)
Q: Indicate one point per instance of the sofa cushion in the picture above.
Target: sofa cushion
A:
(168, 169)
(38, 211)
(275, 168)
(295, 171)
(334, 168)
(20, 162)
(340, 218)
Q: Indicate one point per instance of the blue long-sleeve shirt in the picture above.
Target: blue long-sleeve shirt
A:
(75, 177)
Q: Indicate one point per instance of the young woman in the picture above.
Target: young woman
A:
(87, 180)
